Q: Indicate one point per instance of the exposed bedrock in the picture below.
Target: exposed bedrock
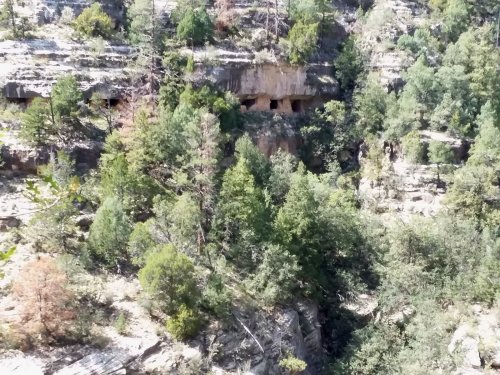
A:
(29, 68)
(48, 11)
(22, 159)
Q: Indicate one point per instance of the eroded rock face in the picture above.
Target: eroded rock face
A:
(17, 363)
(460, 147)
(387, 21)
(29, 68)
(404, 188)
(272, 132)
(276, 81)
(47, 11)
(476, 343)
(24, 159)
(292, 330)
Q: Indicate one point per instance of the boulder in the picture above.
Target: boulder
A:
(495, 359)
(402, 317)
(84, 221)
(469, 346)
(25, 159)
(467, 371)
(102, 363)
(21, 364)
(9, 222)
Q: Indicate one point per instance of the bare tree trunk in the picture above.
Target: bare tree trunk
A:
(276, 20)
(153, 46)
(10, 8)
(52, 117)
(498, 25)
(267, 19)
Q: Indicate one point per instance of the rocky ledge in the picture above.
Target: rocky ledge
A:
(29, 68)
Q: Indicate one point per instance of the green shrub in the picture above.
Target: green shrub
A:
(184, 324)
(302, 41)
(440, 153)
(65, 97)
(36, 127)
(94, 22)
(293, 364)
(276, 276)
(216, 297)
(413, 149)
(195, 27)
(139, 243)
(169, 278)
(109, 232)
(348, 65)
(121, 324)
(190, 64)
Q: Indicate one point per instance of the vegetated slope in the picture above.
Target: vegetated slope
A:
(199, 245)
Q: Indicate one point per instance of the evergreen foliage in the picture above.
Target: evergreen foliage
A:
(241, 217)
(94, 22)
(348, 65)
(195, 27)
(36, 127)
(169, 277)
(109, 233)
(184, 324)
(302, 40)
(66, 97)
(413, 148)
(293, 364)
(214, 226)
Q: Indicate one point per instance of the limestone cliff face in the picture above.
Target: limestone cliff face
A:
(276, 81)
(46, 11)
(29, 68)
(386, 22)
(271, 132)
(403, 187)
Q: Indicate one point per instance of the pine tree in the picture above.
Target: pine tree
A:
(257, 162)
(241, 217)
(65, 97)
(36, 126)
(109, 233)
(440, 153)
(169, 278)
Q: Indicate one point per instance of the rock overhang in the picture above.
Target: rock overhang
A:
(276, 86)
(274, 80)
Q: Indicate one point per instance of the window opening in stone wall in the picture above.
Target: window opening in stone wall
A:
(248, 103)
(296, 106)
(273, 104)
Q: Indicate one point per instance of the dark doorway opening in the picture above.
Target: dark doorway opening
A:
(248, 103)
(11, 103)
(113, 102)
(297, 106)
(273, 104)
(19, 100)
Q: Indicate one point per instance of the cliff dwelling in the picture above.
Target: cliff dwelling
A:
(286, 105)
(274, 88)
